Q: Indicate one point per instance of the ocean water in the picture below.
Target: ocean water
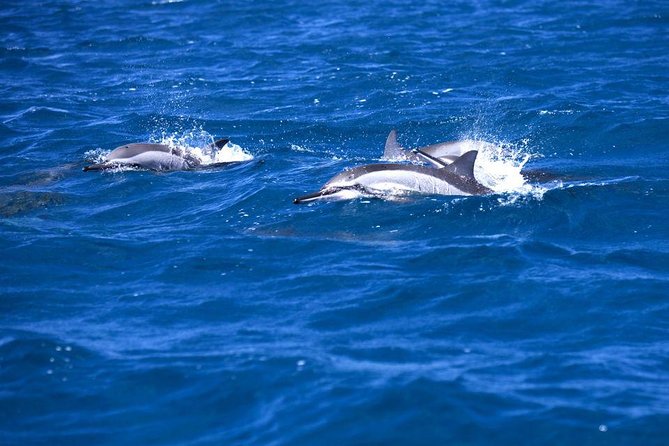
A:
(203, 307)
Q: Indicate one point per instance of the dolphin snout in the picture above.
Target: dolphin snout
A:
(311, 196)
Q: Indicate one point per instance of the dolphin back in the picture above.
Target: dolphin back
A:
(152, 160)
(130, 150)
(449, 151)
(445, 152)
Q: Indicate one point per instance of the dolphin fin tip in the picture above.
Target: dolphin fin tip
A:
(464, 165)
(221, 143)
(392, 148)
(391, 140)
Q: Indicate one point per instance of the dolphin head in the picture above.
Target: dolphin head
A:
(334, 193)
(343, 186)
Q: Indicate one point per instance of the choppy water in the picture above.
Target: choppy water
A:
(203, 307)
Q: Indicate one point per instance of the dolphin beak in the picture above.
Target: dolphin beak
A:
(331, 190)
(95, 167)
(312, 196)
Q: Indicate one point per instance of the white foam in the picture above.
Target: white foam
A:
(229, 153)
(297, 148)
(96, 156)
(498, 167)
(200, 144)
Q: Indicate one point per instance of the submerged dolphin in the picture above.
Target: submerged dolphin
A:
(442, 153)
(152, 157)
(456, 178)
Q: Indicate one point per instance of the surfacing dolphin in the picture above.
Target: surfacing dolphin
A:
(456, 178)
(443, 153)
(154, 157)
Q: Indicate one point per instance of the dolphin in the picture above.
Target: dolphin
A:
(436, 154)
(153, 157)
(456, 178)
(442, 153)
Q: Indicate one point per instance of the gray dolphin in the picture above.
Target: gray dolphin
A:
(153, 157)
(442, 153)
(456, 178)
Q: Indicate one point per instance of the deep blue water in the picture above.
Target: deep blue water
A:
(204, 307)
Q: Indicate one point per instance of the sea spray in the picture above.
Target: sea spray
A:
(200, 144)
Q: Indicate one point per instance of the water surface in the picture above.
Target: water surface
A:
(204, 307)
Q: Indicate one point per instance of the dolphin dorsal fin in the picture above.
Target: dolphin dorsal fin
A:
(220, 143)
(393, 149)
(464, 165)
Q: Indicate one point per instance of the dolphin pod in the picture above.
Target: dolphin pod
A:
(153, 157)
(451, 169)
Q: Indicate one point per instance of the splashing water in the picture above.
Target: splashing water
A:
(498, 167)
(96, 156)
(200, 144)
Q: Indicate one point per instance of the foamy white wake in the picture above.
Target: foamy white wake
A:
(200, 144)
(498, 167)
